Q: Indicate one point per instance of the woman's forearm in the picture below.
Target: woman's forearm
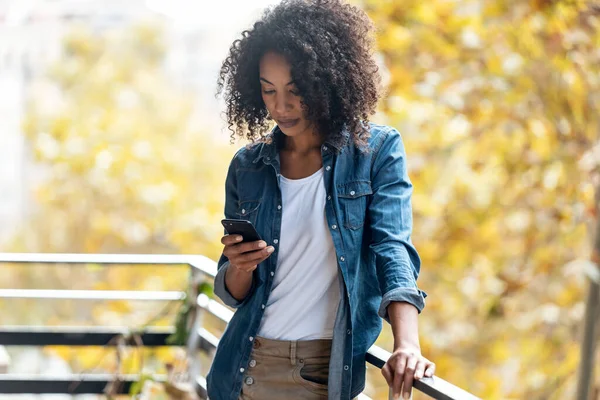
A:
(238, 282)
(405, 324)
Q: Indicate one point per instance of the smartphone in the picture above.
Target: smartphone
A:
(241, 227)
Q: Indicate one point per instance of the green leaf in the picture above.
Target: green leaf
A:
(137, 386)
(206, 288)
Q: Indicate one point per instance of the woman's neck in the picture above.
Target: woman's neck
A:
(303, 144)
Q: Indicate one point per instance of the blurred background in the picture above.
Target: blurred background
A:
(112, 141)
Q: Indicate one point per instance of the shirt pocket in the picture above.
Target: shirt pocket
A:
(353, 199)
(248, 210)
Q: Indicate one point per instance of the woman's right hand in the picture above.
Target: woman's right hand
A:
(245, 256)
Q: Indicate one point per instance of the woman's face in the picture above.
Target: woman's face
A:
(281, 95)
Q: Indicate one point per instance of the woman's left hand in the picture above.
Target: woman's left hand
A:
(406, 364)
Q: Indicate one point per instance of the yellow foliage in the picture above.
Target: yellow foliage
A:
(498, 105)
(128, 171)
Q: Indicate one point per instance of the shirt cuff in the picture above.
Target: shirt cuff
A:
(222, 291)
(410, 295)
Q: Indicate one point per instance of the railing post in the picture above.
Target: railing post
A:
(4, 360)
(192, 325)
(592, 312)
(588, 344)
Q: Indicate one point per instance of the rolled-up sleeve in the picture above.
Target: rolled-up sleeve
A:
(222, 291)
(231, 201)
(390, 214)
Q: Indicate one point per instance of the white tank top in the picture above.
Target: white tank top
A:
(305, 294)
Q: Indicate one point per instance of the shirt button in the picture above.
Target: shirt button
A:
(272, 273)
(342, 258)
(325, 148)
(263, 306)
(352, 193)
(346, 368)
(279, 207)
(241, 369)
(333, 226)
(348, 331)
(328, 197)
(249, 380)
(252, 363)
(275, 241)
(327, 168)
(250, 338)
(243, 211)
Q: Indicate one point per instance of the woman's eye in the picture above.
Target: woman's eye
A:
(294, 92)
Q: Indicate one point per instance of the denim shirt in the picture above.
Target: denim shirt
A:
(369, 214)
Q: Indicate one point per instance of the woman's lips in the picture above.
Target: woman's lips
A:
(288, 123)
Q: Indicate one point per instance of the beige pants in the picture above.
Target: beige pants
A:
(282, 369)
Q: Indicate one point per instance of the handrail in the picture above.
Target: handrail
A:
(61, 384)
(434, 386)
(70, 294)
(199, 262)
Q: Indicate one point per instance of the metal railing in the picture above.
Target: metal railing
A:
(200, 267)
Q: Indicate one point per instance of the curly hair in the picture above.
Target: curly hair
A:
(328, 44)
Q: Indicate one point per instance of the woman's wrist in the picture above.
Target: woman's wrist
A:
(238, 282)
(240, 271)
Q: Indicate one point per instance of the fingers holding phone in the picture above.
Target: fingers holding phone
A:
(245, 256)
(245, 250)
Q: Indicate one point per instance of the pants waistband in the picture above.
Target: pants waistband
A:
(292, 349)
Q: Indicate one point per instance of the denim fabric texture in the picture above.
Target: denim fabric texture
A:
(369, 214)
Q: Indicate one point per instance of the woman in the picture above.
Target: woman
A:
(330, 196)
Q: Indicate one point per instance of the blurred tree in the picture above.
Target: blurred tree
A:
(499, 106)
(127, 169)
